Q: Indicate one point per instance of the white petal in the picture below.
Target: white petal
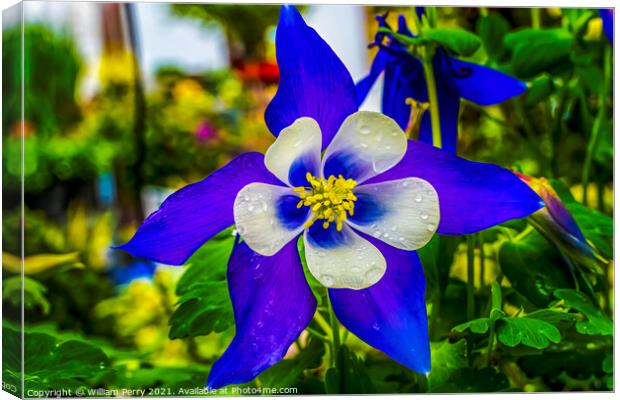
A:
(259, 220)
(367, 144)
(345, 260)
(406, 212)
(299, 147)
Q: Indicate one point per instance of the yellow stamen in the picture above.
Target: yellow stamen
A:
(330, 199)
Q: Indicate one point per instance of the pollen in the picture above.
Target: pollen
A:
(331, 199)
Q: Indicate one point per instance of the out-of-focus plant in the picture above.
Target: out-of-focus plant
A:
(244, 26)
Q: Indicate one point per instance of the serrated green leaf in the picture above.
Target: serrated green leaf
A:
(349, 376)
(53, 364)
(460, 41)
(597, 324)
(204, 304)
(479, 325)
(552, 316)
(530, 332)
(534, 268)
(447, 359)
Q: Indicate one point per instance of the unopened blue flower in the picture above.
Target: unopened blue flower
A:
(362, 208)
(455, 79)
(607, 15)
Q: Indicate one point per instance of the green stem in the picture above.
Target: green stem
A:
(335, 335)
(491, 343)
(431, 87)
(317, 334)
(482, 260)
(535, 11)
(596, 127)
(427, 53)
(470, 277)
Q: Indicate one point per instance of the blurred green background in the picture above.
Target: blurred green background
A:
(114, 123)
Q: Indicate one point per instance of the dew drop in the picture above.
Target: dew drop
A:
(297, 143)
(365, 130)
(364, 145)
(395, 133)
(373, 274)
(386, 235)
(404, 184)
(388, 147)
(418, 198)
(424, 216)
(327, 280)
(375, 326)
(356, 269)
(430, 227)
(394, 228)
(377, 233)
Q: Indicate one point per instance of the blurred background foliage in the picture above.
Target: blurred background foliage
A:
(538, 315)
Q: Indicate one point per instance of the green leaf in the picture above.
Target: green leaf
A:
(479, 325)
(287, 372)
(460, 41)
(534, 268)
(349, 376)
(447, 359)
(540, 89)
(34, 293)
(53, 364)
(552, 316)
(529, 332)
(597, 324)
(204, 304)
(492, 28)
(535, 51)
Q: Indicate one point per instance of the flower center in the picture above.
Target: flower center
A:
(330, 199)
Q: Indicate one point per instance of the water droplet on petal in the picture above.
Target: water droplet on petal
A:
(375, 326)
(327, 280)
(424, 216)
(364, 129)
(430, 227)
(404, 184)
(418, 198)
(364, 145)
(373, 274)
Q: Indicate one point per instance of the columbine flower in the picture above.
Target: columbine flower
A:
(455, 79)
(362, 209)
(556, 223)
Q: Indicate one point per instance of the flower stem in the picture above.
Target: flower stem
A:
(596, 127)
(470, 277)
(335, 329)
(535, 11)
(431, 87)
(427, 53)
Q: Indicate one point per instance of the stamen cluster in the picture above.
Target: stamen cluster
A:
(330, 199)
